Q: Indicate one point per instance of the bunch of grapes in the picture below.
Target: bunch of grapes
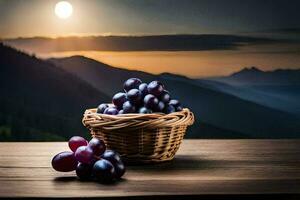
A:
(141, 98)
(91, 160)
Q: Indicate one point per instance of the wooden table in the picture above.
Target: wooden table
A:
(210, 169)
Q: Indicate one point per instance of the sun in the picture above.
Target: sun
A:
(63, 9)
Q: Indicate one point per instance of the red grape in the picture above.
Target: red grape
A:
(77, 141)
(64, 162)
(84, 155)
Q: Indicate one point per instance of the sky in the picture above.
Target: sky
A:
(29, 18)
(269, 19)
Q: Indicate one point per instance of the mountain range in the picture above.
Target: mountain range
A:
(211, 105)
(278, 89)
(40, 101)
(251, 76)
(45, 100)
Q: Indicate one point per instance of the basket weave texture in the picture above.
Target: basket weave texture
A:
(138, 138)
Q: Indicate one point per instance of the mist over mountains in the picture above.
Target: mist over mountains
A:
(254, 76)
(279, 89)
(45, 99)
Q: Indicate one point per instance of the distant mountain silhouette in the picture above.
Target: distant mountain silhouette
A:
(136, 43)
(213, 108)
(104, 77)
(279, 89)
(40, 101)
(281, 97)
(255, 76)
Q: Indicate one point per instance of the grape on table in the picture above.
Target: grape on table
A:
(64, 162)
(91, 160)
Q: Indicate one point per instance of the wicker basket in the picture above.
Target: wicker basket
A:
(140, 137)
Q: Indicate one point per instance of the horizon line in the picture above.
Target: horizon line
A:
(121, 35)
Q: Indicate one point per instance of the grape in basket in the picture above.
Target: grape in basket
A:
(149, 115)
(150, 101)
(141, 98)
(118, 99)
(156, 88)
(144, 89)
(132, 83)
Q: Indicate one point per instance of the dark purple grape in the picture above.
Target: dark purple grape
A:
(179, 108)
(144, 110)
(134, 96)
(104, 171)
(176, 104)
(111, 111)
(155, 88)
(64, 162)
(111, 156)
(131, 84)
(97, 146)
(165, 96)
(150, 101)
(118, 99)
(120, 169)
(84, 171)
(169, 109)
(101, 108)
(121, 112)
(160, 107)
(143, 89)
(128, 107)
(84, 154)
(76, 141)
(112, 106)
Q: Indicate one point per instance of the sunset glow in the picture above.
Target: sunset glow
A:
(192, 64)
(95, 29)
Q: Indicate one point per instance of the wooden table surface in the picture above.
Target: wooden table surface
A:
(206, 168)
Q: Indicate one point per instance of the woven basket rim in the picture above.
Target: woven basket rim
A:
(92, 120)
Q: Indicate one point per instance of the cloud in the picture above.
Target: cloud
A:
(202, 42)
(284, 30)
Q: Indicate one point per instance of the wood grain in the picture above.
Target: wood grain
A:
(207, 168)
